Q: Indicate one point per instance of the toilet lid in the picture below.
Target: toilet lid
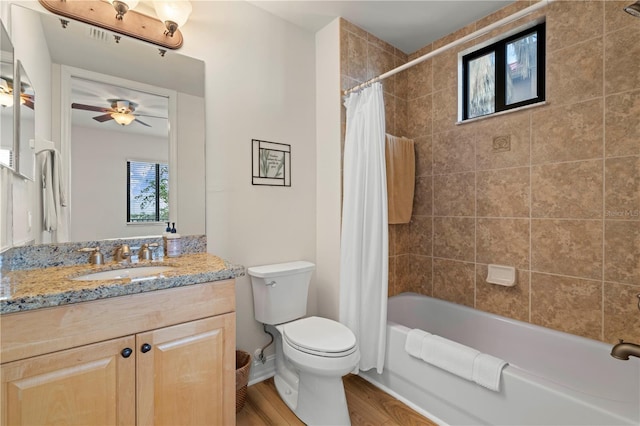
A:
(319, 335)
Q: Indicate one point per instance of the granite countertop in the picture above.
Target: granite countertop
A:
(23, 290)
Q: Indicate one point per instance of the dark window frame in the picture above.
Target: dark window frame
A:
(157, 191)
(500, 49)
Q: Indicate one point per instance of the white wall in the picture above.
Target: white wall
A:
(99, 170)
(329, 157)
(259, 84)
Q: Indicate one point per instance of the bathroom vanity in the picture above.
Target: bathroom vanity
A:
(155, 351)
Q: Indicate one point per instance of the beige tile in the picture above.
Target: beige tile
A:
(454, 151)
(621, 60)
(390, 114)
(413, 273)
(622, 251)
(454, 194)
(567, 247)
(419, 80)
(457, 34)
(381, 44)
(503, 193)
(510, 302)
(575, 74)
(503, 242)
(571, 22)
(402, 81)
(422, 197)
(344, 49)
(454, 238)
(419, 110)
(445, 69)
(567, 304)
(392, 287)
(401, 117)
(622, 193)
(352, 28)
(393, 231)
(454, 281)
(380, 61)
(622, 128)
(415, 237)
(614, 19)
(517, 126)
(567, 190)
(445, 109)
(357, 57)
(567, 133)
(424, 156)
(621, 318)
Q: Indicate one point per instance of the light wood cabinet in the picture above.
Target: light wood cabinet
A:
(165, 371)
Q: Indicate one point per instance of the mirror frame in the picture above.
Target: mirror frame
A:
(66, 74)
(4, 34)
(25, 156)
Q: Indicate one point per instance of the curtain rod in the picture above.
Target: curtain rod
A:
(454, 43)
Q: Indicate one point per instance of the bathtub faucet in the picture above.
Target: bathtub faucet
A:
(623, 349)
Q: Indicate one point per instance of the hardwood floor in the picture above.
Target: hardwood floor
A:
(368, 405)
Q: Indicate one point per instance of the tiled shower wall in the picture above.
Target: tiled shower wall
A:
(562, 205)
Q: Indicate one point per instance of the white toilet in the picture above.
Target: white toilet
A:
(313, 353)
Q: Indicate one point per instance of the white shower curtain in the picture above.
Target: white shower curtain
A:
(364, 263)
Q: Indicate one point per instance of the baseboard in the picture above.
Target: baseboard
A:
(260, 372)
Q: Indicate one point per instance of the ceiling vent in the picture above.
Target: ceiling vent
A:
(98, 35)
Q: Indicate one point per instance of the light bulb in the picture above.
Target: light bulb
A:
(174, 13)
(122, 6)
(6, 99)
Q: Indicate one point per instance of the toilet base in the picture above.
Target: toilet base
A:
(321, 400)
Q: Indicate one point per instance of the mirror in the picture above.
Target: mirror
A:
(6, 100)
(79, 53)
(26, 125)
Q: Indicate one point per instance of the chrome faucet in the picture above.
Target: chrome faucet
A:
(623, 350)
(146, 251)
(123, 254)
(96, 258)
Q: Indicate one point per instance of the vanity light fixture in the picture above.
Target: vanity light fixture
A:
(633, 9)
(123, 6)
(123, 119)
(162, 31)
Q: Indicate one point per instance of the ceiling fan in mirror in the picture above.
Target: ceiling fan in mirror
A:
(121, 111)
(6, 94)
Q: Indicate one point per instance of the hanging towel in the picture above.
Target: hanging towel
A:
(413, 345)
(487, 370)
(53, 193)
(401, 171)
(451, 356)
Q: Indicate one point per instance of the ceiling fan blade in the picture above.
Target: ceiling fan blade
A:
(90, 108)
(150, 116)
(142, 122)
(103, 118)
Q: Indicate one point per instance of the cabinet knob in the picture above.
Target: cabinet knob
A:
(145, 348)
(126, 352)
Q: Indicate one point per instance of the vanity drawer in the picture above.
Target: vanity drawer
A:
(37, 332)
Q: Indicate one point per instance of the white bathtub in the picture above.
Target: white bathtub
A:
(553, 378)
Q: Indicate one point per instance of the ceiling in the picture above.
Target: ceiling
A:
(407, 25)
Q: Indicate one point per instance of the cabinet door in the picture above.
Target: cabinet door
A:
(186, 374)
(89, 385)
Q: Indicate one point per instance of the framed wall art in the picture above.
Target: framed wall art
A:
(270, 163)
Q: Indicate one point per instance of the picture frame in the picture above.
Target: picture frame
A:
(270, 163)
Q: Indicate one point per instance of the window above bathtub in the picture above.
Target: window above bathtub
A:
(502, 74)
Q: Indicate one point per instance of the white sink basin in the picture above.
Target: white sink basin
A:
(135, 274)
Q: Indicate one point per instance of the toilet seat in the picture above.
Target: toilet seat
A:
(320, 336)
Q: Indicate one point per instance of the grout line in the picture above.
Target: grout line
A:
(604, 175)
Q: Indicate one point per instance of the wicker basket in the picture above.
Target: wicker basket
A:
(243, 365)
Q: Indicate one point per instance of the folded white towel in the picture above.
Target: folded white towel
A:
(451, 356)
(487, 370)
(413, 345)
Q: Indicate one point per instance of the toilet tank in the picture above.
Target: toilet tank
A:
(280, 291)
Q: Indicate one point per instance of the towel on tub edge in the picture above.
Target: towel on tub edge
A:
(456, 358)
